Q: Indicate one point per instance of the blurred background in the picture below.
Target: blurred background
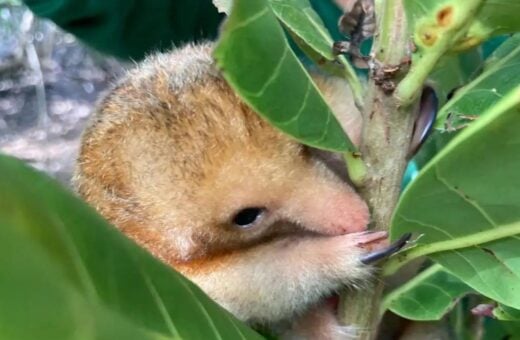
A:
(49, 84)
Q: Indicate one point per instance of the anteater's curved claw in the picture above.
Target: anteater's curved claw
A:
(387, 251)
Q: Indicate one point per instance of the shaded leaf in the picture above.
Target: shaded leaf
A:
(471, 99)
(451, 73)
(468, 195)
(258, 63)
(454, 71)
(503, 330)
(428, 296)
(501, 74)
(502, 312)
(68, 274)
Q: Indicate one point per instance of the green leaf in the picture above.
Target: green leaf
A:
(68, 274)
(495, 329)
(428, 296)
(454, 71)
(300, 19)
(502, 312)
(311, 35)
(493, 17)
(258, 63)
(475, 96)
(501, 74)
(466, 196)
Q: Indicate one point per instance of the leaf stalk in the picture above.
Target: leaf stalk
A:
(396, 262)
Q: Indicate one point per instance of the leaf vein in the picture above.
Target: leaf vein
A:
(471, 202)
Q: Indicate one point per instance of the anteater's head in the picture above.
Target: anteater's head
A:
(179, 163)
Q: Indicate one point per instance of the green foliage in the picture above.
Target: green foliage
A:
(74, 276)
(300, 19)
(428, 296)
(501, 74)
(494, 330)
(454, 71)
(473, 182)
(309, 32)
(261, 69)
(67, 274)
(502, 312)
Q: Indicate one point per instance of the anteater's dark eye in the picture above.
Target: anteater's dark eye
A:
(247, 216)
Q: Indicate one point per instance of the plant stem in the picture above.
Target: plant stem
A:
(354, 82)
(387, 129)
(357, 170)
(490, 235)
(411, 85)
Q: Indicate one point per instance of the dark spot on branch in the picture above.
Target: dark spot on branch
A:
(445, 16)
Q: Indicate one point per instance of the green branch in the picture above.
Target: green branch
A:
(475, 239)
(356, 167)
(353, 80)
(435, 37)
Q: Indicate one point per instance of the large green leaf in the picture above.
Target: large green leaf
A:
(468, 195)
(258, 63)
(67, 274)
(493, 17)
(299, 18)
(311, 35)
(428, 296)
(496, 77)
(501, 74)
